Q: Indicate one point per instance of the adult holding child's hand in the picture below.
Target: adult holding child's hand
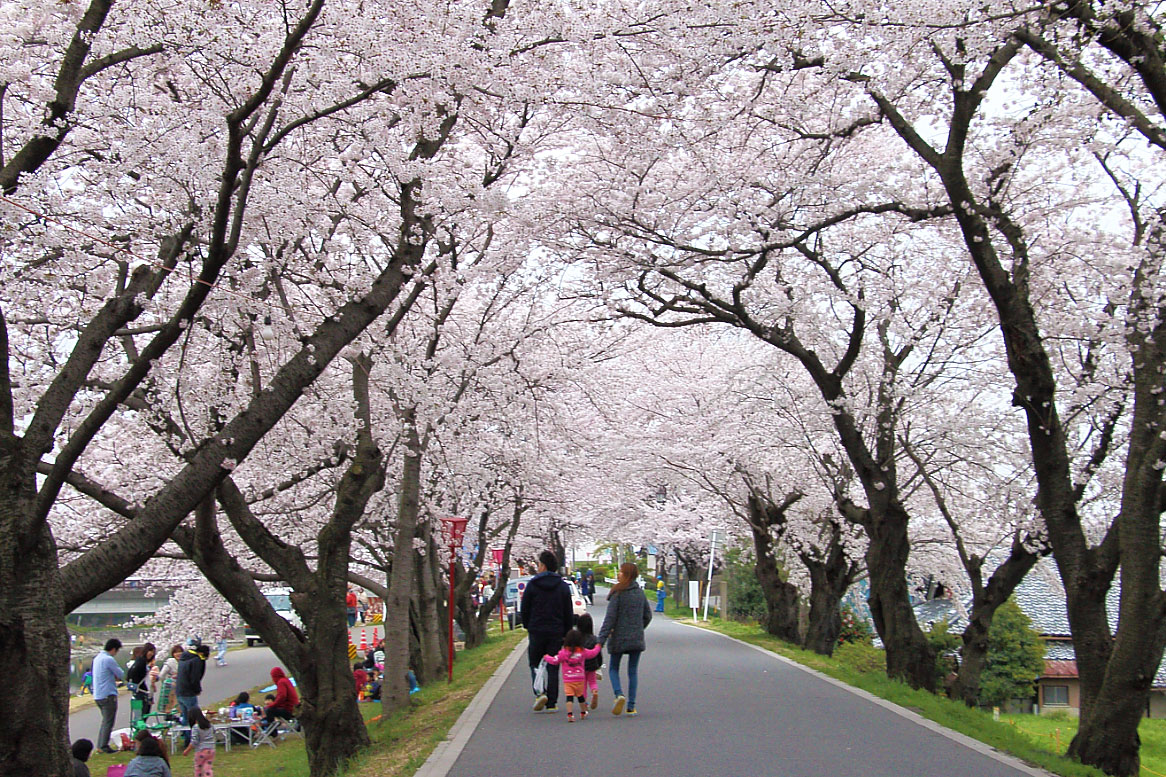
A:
(622, 633)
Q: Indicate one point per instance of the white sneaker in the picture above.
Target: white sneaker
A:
(540, 701)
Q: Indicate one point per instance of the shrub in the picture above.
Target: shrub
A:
(946, 647)
(855, 630)
(1015, 657)
(746, 600)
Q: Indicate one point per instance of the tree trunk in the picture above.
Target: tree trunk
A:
(829, 580)
(985, 601)
(466, 613)
(430, 618)
(781, 596)
(395, 689)
(334, 729)
(910, 657)
(34, 643)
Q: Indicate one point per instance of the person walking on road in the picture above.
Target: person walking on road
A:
(547, 613)
(592, 666)
(106, 673)
(573, 658)
(622, 633)
(187, 687)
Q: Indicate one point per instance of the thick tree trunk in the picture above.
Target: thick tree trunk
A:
(334, 729)
(910, 657)
(985, 601)
(829, 581)
(1107, 734)
(430, 621)
(831, 573)
(34, 643)
(395, 689)
(781, 596)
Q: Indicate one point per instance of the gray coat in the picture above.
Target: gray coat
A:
(623, 626)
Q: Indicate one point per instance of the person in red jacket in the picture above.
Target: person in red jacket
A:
(285, 701)
(350, 605)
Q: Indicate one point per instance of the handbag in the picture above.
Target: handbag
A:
(540, 678)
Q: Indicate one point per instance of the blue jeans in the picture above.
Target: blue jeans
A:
(186, 704)
(633, 675)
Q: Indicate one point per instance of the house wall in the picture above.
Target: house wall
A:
(1074, 686)
(1157, 706)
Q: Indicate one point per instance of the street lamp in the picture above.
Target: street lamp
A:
(453, 529)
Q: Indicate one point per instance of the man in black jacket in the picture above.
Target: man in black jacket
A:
(547, 615)
(188, 684)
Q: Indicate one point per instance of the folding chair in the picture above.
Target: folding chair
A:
(266, 733)
(154, 722)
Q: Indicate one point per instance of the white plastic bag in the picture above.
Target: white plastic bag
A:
(540, 678)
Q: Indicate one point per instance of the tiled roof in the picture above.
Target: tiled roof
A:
(936, 610)
(1060, 669)
(1042, 598)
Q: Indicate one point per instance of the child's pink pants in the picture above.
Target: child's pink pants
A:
(204, 763)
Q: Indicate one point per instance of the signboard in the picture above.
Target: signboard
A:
(694, 596)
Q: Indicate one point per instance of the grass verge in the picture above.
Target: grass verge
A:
(1037, 740)
(400, 743)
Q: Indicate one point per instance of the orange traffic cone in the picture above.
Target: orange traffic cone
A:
(364, 639)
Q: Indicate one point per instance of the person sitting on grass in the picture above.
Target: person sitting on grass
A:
(81, 751)
(361, 678)
(150, 760)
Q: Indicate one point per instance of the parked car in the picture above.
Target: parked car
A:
(280, 600)
(513, 599)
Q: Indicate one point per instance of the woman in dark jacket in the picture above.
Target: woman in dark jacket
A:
(138, 672)
(623, 632)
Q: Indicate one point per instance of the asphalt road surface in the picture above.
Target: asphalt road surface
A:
(711, 706)
(245, 669)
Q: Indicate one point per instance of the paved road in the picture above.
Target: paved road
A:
(711, 706)
(246, 668)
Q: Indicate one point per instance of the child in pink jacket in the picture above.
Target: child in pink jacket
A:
(571, 659)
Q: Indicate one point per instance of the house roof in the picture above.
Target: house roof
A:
(1042, 598)
(1059, 669)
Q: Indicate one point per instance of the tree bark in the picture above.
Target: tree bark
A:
(985, 601)
(395, 689)
(431, 619)
(910, 657)
(781, 596)
(34, 644)
(831, 575)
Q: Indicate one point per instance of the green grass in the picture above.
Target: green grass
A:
(862, 667)
(401, 743)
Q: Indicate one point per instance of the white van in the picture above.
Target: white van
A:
(280, 600)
